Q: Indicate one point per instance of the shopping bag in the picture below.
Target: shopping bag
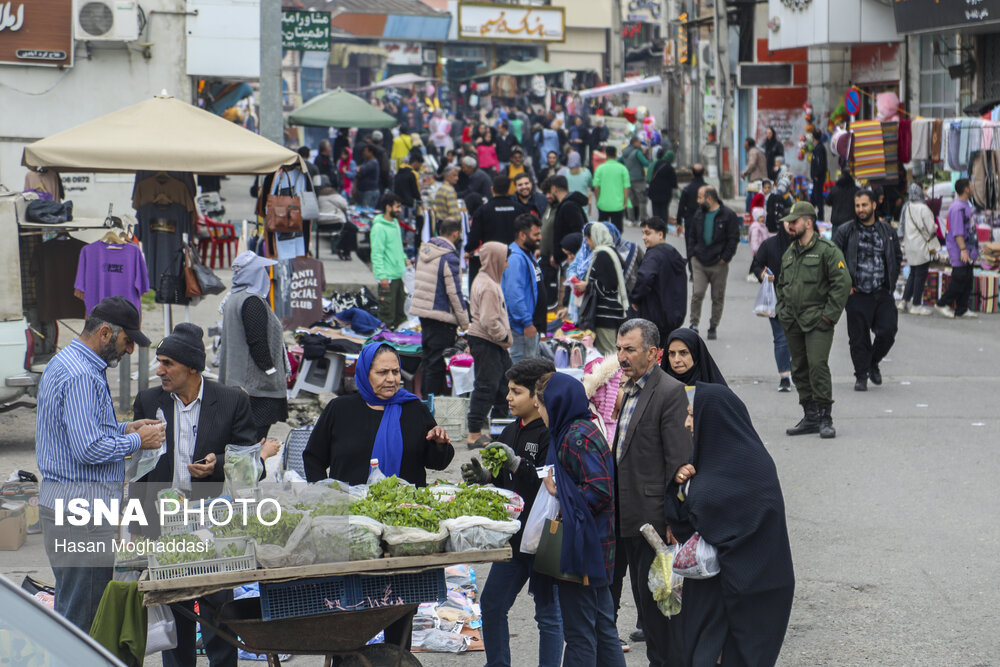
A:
(284, 212)
(548, 558)
(161, 629)
(310, 203)
(546, 506)
(207, 280)
(665, 584)
(696, 559)
(191, 286)
(767, 300)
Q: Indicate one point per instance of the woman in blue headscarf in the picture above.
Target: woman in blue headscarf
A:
(382, 421)
(583, 479)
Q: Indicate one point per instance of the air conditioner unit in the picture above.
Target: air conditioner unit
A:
(106, 20)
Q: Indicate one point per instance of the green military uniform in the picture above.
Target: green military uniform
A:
(814, 284)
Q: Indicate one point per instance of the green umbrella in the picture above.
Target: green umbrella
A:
(339, 108)
(524, 68)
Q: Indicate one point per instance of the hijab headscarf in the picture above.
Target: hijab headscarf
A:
(734, 501)
(628, 252)
(388, 447)
(582, 554)
(605, 242)
(704, 368)
(583, 258)
(914, 195)
(574, 161)
(493, 257)
(250, 273)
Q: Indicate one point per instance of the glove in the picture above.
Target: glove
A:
(513, 460)
(474, 473)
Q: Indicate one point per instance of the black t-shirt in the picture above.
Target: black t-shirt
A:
(530, 442)
(54, 267)
(160, 229)
(340, 446)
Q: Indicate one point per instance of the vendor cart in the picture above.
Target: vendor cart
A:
(342, 631)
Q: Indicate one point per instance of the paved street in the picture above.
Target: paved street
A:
(892, 524)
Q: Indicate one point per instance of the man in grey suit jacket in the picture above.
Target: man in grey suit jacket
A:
(650, 444)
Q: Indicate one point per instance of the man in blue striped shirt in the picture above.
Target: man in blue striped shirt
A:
(81, 451)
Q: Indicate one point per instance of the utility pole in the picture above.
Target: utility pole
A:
(617, 45)
(272, 124)
(725, 134)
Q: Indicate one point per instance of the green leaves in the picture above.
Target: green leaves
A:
(495, 459)
(397, 504)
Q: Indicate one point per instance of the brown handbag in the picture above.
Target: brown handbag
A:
(284, 212)
(192, 287)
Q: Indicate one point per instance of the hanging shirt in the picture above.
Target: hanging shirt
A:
(107, 269)
(160, 229)
(55, 267)
(185, 436)
(305, 293)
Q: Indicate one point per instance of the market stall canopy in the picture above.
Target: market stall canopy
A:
(524, 68)
(398, 81)
(159, 134)
(624, 87)
(339, 108)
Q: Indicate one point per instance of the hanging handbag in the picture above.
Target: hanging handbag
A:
(310, 204)
(587, 319)
(191, 286)
(284, 212)
(548, 557)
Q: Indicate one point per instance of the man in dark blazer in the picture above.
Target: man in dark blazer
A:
(651, 443)
(202, 417)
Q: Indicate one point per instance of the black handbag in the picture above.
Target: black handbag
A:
(171, 288)
(207, 280)
(587, 319)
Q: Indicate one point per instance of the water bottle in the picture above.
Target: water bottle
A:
(374, 474)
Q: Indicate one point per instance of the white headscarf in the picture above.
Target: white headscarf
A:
(605, 242)
(250, 273)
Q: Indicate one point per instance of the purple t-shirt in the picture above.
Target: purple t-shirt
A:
(111, 270)
(960, 224)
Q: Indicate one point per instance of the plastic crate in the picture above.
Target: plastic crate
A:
(248, 561)
(451, 412)
(291, 599)
(389, 589)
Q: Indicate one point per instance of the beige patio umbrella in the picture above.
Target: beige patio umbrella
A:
(160, 134)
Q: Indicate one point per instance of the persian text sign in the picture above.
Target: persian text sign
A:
(511, 23)
(913, 16)
(305, 31)
(36, 32)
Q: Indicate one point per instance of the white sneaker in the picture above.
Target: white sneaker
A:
(970, 314)
(901, 306)
(945, 311)
(751, 278)
(921, 310)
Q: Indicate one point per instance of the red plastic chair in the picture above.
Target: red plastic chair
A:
(216, 238)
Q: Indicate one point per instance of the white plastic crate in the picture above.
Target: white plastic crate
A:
(247, 561)
(451, 413)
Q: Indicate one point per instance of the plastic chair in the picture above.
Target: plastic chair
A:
(295, 444)
(218, 237)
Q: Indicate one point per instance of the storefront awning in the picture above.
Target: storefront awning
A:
(524, 68)
(624, 87)
(340, 54)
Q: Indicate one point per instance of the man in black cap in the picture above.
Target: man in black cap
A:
(202, 417)
(81, 449)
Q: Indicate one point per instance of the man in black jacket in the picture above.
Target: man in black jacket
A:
(473, 180)
(493, 221)
(817, 170)
(327, 163)
(871, 250)
(202, 417)
(711, 245)
(504, 144)
(526, 444)
(528, 198)
(687, 205)
(660, 291)
(571, 214)
(406, 186)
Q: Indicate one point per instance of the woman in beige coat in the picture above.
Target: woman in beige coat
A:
(921, 244)
(489, 339)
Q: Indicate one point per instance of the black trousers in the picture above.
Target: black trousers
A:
(866, 314)
(220, 652)
(816, 198)
(490, 389)
(550, 275)
(664, 639)
(959, 289)
(661, 210)
(474, 265)
(616, 218)
(435, 338)
(915, 283)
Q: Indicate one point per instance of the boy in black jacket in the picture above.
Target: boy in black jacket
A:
(526, 443)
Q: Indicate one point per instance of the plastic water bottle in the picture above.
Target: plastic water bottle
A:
(374, 474)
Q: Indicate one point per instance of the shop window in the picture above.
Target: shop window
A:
(938, 91)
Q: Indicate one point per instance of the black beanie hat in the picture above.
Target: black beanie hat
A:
(184, 345)
(572, 242)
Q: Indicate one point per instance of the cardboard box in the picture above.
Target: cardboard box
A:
(13, 525)
(26, 492)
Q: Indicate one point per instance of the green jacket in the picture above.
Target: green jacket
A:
(120, 622)
(388, 258)
(814, 283)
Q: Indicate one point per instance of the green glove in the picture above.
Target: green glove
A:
(474, 473)
(513, 460)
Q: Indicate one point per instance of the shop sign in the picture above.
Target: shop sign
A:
(642, 11)
(913, 16)
(305, 31)
(403, 53)
(36, 32)
(871, 63)
(511, 23)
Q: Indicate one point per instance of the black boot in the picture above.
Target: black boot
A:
(809, 422)
(826, 429)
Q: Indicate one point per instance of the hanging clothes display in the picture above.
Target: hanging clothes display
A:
(305, 293)
(165, 209)
(890, 152)
(54, 268)
(920, 139)
(45, 183)
(904, 140)
(937, 129)
(111, 269)
(869, 150)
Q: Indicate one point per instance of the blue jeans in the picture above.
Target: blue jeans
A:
(502, 587)
(589, 626)
(78, 588)
(368, 198)
(781, 354)
(523, 347)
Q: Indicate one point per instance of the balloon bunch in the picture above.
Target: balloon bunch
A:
(838, 117)
(805, 146)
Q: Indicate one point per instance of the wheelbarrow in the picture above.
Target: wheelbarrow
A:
(342, 635)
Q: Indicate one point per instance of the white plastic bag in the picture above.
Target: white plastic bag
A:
(665, 584)
(298, 550)
(696, 559)
(546, 506)
(475, 533)
(767, 300)
(243, 469)
(161, 629)
(407, 541)
(143, 461)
